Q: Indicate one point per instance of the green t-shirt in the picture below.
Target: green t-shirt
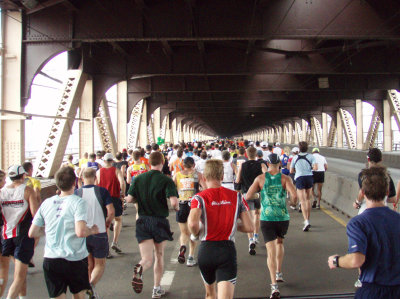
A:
(151, 190)
(273, 199)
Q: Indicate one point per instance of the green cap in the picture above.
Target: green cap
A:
(315, 150)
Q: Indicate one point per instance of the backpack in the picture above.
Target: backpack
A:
(301, 157)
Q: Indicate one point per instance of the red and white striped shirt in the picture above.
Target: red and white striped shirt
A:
(221, 207)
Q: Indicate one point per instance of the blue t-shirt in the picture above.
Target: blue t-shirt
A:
(58, 215)
(376, 234)
(303, 167)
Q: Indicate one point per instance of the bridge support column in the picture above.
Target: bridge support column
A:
(304, 126)
(296, 133)
(387, 127)
(134, 125)
(174, 131)
(339, 130)
(359, 125)
(332, 134)
(143, 138)
(122, 110)
(324, 129)
(12, 131)
(86, 139)
(395, 105)
(52, 156)
(105, 127)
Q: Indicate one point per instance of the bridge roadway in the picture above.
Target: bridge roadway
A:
(305, 265)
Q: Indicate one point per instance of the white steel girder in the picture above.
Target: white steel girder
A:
(372, 131)
(134, 124)
(163, 128)
(346, 117)
(394, 101)
(318, 130)
(50, 159)
(104, 125)
(332, 134)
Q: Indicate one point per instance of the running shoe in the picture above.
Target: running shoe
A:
(318, 206)
(194, 238)
(279, 277)
(158, 292)
(307, 226)
(314, 204)
(91, 293)
(256, 238)
(275, 294)
(181, 256)
(116, 248)
(358, 284)
(191, 261)
(109, 255)
(137, 282)
(252, 247)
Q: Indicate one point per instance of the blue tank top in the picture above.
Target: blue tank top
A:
(93, 165)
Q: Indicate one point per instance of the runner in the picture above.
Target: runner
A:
(217, 210)
(84, 160)
(303, 164)
(202, 162)
(99, 158)
(284, 161)
(318, 176)
(187, 182)
(266, 152)
(151, 190)
(247, 173)
(100, 213)
(374, 237)
(274, 216)
(63, 218)
(112, 179)
(4, 261)
(277, 150)
(229, 171)
(177, 164)
(241, 158)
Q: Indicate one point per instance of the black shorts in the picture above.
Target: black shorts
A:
(20, 247)
(272, 230)
(97, 245)
(117, 203)
(254, 204)
(370, 290)
(183, 213)
(217, 261)
(60, 274)
(304, 182)
(156, 228)
(319, 176)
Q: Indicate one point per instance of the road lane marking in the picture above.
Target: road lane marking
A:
(330, 214)
(169, 272)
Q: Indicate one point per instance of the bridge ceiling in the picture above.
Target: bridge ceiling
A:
(233, 65)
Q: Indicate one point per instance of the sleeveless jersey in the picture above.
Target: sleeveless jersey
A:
(17, 216)
(273, 199)
(221, 208)
(137, 169)
(186, 185)
(228, 173)
(93, 165)
(109, 180)
(177, 166)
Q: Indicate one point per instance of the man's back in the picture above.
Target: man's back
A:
(109, 180)
(250, 170)
(376, 234)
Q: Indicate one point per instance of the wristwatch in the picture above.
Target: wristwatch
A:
(336, 261)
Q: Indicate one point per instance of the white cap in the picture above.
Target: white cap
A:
(15, 170)
(295, 149)
(75, 161)
(108, 157)
(278, 143)
(264, 144)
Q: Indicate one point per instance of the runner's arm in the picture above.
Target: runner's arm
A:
(98, 176)
(121, 180)
(264, 168)
(315, 167)
(193, 220)
(37, 194)
(349, 261)
(82, 230)
(35, 231)
(238, 175)
(128, 176)
(398, 193)
(246, 226)
(174, 202)
(30, 197)
(110, 214)
(130, 198)
(255, 187)
(326, 166)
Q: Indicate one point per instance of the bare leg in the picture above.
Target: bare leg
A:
(271, 260)
(117, 228)
(301, 194)
(90, 265)
(62, 296)
(185, 237)
(4, 267)
(225, 290)
(320, 192)
(211, 292)
(252, 216)
(308, 201)
(146, 248)
(80, 295)
(280, 252)
(98, 270)
(257, 221)
(19, 279)
(158, 262)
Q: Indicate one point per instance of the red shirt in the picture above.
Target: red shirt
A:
(109, 180)
(221, 207)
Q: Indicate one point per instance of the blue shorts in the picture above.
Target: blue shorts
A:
(304, 182)
(371, 290)
(20, 247)
(97, 245)
(117, 203)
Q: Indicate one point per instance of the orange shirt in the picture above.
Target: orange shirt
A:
(177, 166)
(145, 161)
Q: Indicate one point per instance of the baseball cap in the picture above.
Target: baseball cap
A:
(278, 143)
(273, 159)
(108, 157)
(295, 149)
(264, 144)
(15, 170)
(259, 153)
(315, 150)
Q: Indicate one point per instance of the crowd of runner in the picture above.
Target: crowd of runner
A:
(216, 188)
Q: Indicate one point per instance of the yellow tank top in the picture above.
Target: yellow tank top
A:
(185, 185)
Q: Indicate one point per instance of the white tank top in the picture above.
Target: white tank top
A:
(228, 173)
(16, 214)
